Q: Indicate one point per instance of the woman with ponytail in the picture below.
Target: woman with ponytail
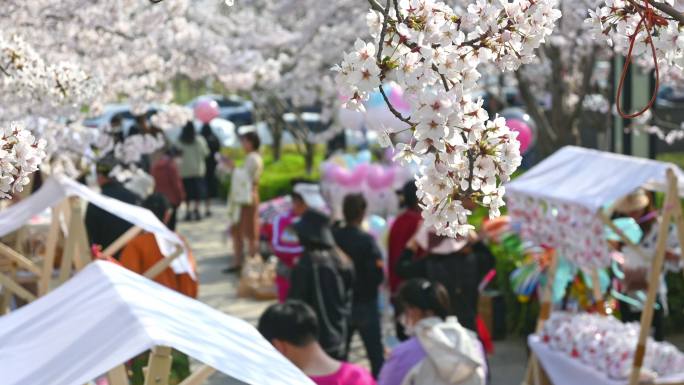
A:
(440, 350)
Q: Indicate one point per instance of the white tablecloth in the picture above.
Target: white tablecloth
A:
(565, 370)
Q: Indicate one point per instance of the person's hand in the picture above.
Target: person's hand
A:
(412, 245)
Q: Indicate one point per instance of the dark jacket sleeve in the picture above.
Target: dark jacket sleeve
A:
(408, 267)
(300, 280)
(375, 262)
(485, 259)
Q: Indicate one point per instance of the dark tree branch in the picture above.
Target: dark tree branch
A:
(587, 69)
(532, 106)
(375, 6)
(392, 109)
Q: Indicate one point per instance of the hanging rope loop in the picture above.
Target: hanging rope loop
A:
(649, 20)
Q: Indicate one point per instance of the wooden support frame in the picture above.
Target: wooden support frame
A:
(597, 293)
(671, 212)
(533, 373)
(120, 242)
(159, 366)
(162, 264)
(199, 376)
(118, 376)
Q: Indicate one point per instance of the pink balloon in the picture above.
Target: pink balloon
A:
(353, 178)
(380, 178)
(396, 97)
(524, 133)
(206, 110)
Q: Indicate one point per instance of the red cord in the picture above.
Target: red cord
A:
(648, 19)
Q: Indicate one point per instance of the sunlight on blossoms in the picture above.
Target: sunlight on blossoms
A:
(20, 155)
(433, 52)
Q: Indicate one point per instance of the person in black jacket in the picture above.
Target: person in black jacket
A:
(103, 227)
(368, 267)
(322, 277)
(211, 181)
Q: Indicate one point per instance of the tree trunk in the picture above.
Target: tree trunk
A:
(309, 156)
(276, 146)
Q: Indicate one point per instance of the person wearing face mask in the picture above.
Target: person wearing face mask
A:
(440, 350)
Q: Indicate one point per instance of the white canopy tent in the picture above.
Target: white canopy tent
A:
(106, 315)
(592, 178)
(57, 193)
(560, 204)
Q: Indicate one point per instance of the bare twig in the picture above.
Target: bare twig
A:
(669, 10)
(662, 7)
(375, 6)
(392, 109)
(4, 71)
(381, 43)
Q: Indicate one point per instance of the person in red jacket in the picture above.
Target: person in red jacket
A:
(168, 182)
(402, 231)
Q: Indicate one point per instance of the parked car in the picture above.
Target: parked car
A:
(123, 110)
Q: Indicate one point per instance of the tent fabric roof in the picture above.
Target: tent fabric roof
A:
(106, 315)
(57, 188)
(591, 178)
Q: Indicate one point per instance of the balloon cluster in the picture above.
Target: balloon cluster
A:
(356, 173)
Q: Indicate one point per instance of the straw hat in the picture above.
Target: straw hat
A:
(638, 200)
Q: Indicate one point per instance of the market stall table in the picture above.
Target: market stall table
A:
(565, 370)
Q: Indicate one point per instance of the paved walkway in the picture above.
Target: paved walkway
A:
(210, 247)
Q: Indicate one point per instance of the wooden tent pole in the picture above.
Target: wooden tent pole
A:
(50, 250)
(199, 376)
(162, 264)
(654, 279)
(10, 284)
(120, 242)
(19, 259)
(118, 376)
(159, 366)
(533, 372)
(678, 218)
(71, 244)
(82, 244)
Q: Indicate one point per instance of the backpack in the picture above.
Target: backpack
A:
(454, 355)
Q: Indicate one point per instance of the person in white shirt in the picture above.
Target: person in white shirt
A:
(244, 201)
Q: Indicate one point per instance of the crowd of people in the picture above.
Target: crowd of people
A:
(329, 280)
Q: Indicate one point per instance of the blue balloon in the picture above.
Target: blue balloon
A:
(376, 224)
(375, 100)
(364, 156)
(351, 161)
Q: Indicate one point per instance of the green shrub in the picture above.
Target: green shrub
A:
(277, 177)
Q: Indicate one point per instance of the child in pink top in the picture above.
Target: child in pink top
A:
(292, 328)
(348, 374)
